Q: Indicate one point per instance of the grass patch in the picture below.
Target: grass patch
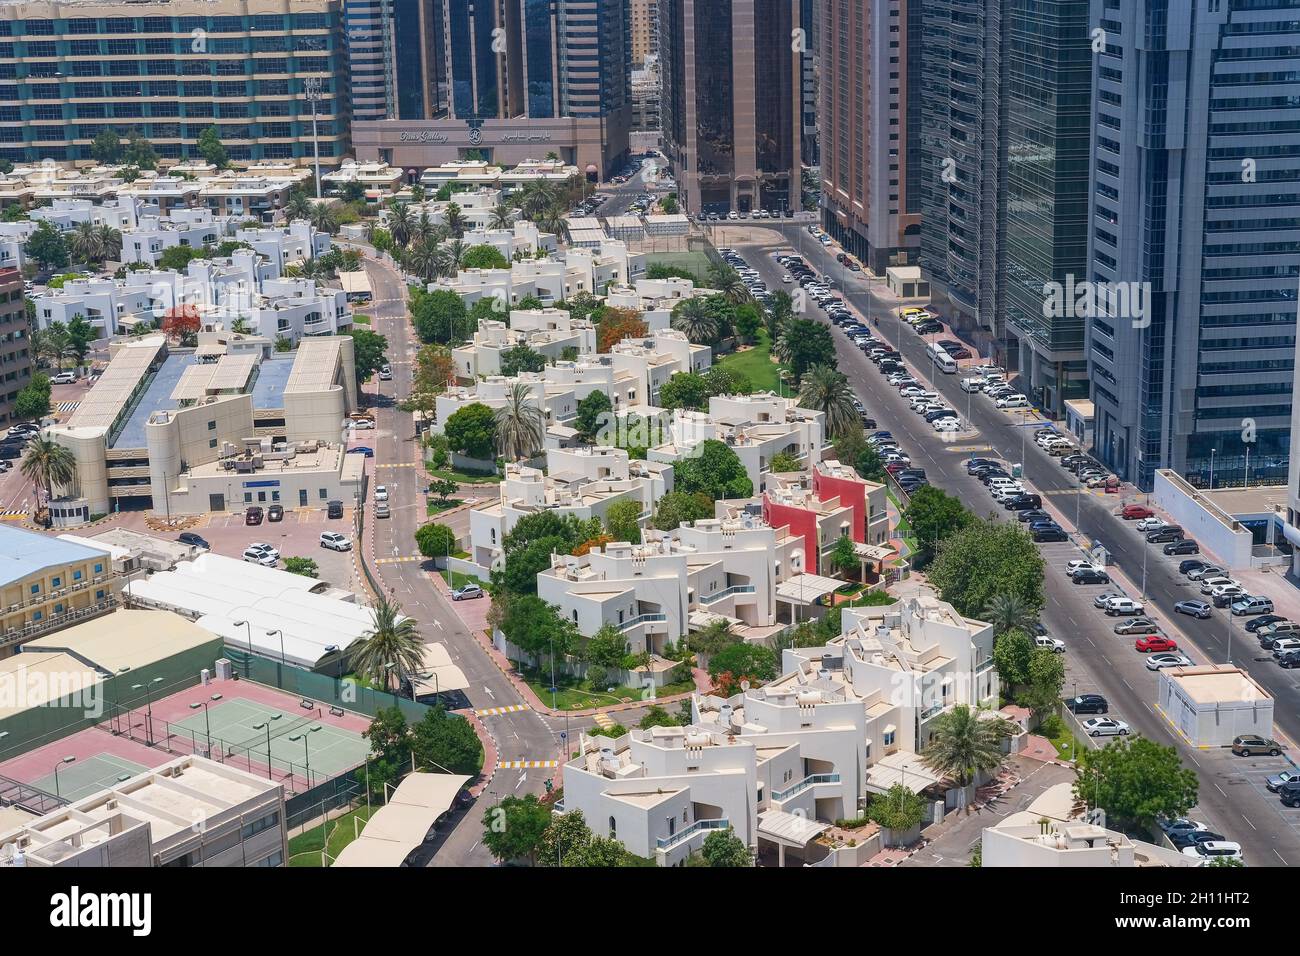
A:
(455, 579)
(434, 508)
(333, 835)
(577, 694)
(1059, 732)
(360, 319)
(467, 477)
(696, 263)
(756, 365)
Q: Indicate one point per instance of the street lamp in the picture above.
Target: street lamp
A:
(148, 696)
(56, 773)
(279, 675)
(249, 628)
(305, 749)
(266, 725)
(207, 721)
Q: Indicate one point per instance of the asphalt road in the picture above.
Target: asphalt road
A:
(1097, 659)
(521, 735)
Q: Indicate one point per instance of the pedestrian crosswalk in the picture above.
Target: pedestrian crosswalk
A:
(397, 464)
(496, 711)
(67, 406)
(409, 559)
(604, 720)
(527, 764)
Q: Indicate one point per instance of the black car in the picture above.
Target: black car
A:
(1164, 534)
(1264, 620)
(1091, 576)
(1023, 502)
(1032, 515)
(1186, 567)
(1289, 794)
(334, 509)
(868, 422)
(1192, 837)
(1045, 535)
(1289, 659)
(275, 513)
(192, 539)
(973, 463)
(938, 413)
(1088, 704)
(1182, 546)
(928, 328)
(910, 473)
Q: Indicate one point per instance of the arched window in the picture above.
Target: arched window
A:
(613, 828)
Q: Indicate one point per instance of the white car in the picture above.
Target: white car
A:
(1074, 566)
(360, 424)
(381, 493)
(912, 391)
(946, 425)
(787, 279)
(972, 384)
(1105, 727)
(1123, 605)
(1054, 644)
(335, 541)
(64, 378)
(1212, 850)
(264, 548)
(1209, 584)
(1156, 661)
(259, 557)
(1013, 401)
(1150, 524)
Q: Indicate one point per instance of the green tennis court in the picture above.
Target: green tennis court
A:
(89, 775)
(297, 740)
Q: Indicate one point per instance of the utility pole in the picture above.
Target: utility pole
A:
(312, 90)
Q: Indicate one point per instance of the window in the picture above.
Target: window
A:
(889, 738)
(263, 823)
(58, 608)
(212, 443)
(36, 616)
(323, 494)
(56, 582)
(36, 589)
(76, 575)
(99, 569)
(99, 595)
(212, 426)
(613, 828)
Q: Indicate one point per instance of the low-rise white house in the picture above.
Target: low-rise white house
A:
(378, 179)
(65, 214)
(550, 332)
(552, 279)
(654, 359)
(151, 236)
(13, 237)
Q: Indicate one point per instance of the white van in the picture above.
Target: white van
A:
(945, 362)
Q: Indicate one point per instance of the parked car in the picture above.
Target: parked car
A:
(1158, 661)
(1182, 546)
(1171, 533)
(1195, 837)
(1137, 625)
(1289, 793)
(1133, 512)
(1215, 850)
(1251, 604)
(334, 509)
(360, 424)
(381, 509)
(362, 450)
(275, 513)
(192, 539)
(1123, 605)
(1091, 576)
(1264, 620)
(1033, 514)
(64, 378)
(1054, 644)
(1154, 643)
(335, 541)
(1088, 704)
(1150, 523)
(1274, 783)
(1181, 826)
(1204, 571)
(1071, 567)
(253, 515)
(467, 592)
(1249, 745)
(257, 556)
(381, 493)
(1191, 565)
(1193, 608)
(1046, 535)
(1105, 727)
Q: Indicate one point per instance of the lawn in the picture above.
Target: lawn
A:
(360, 319)
(1058, 731)
(304, 849)
(466, 477)
(455, 579)
(696, 263)
(756, 365)
(574, 694)
(435, 507)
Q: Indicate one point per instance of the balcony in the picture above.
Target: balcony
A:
(681, 836)
(55, 621)
(45, 597)
(727, 592)
(642, 619)
(809, 781)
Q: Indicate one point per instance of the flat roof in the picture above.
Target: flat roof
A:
(1217, 684)
(230, 373)
(106, 399)
(272, 376)
(125, 638)
(40, 679)
(156, 398)
(23, 553)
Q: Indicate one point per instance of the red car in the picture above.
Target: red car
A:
(1132, 512)
(1156, 642)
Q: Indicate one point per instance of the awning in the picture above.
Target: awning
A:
(355, 283)
(874, 552)
(806, 588)
(901, 767)
(438, 675)
(401, 826)
(789, 828)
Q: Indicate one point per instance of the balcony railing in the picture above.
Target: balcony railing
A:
(726, 592)
(641, 619)
(932, 710)
(699, 826)
(53, 594)
(809, 781)
(56, 620)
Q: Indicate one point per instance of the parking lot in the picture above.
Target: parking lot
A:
(297, 536)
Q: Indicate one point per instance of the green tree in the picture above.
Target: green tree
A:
(435, 540)
(805, 343)
(826, 390)
(520, 424)
(740, 661)
(844, 557)
(678, 507)
(722, 848)
(178, 258)
(80, 335)
(106, 147)
(283, 343)
(1136, 781)
(985, 559)
(368, 350)
(694, 319)
(722, 380)
(472, 430)
(513, 829)
(484, 257)
(1008, 612)
(898, 809)
(966, 744)
(594, 414)
(443, 489)
(623, 521)
(656, 716)
(31, 404)
(784, 461)
(537, 628)
(46, 464)
(715, 470)
(606, 648)
(139, 152)
(47, 247)
(1042, 691)
(438, 315)
(390, 747)
(521, 358)
(684, 390)
(1012, 652)
(211, 148)
(748, 321)
(391, 648)
(935, 515)
(446, 743)
(711, 639)
(567, 834)
(304, 566)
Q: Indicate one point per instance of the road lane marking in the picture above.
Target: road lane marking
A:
(495, 711)
(527, 764)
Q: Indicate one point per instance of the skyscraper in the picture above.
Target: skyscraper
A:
(1193, 237)
(505, 80)
(1049, 81)
(867, 92)
(964, 180)
(731, 102)
(382, 84)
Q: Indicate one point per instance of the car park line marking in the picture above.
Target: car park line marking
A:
(1279, 856)
(1247, 819)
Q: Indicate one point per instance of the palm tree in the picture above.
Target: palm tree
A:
(778, 314)
(965, 744)
(424, 229)
(422, 259)
(240, 326)
(399, 224)
(46, 463)
(455, 220)
(1008, 612)
(520, 425)
(695, 319)
(84, 242)
(324, 218)
(727, 281)
(110, 242)
(501, 217)
(60, 343)
(297, 207)
(392, 644)
(552, 220)
(537, 197)
(826, 390)
(450, 256)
